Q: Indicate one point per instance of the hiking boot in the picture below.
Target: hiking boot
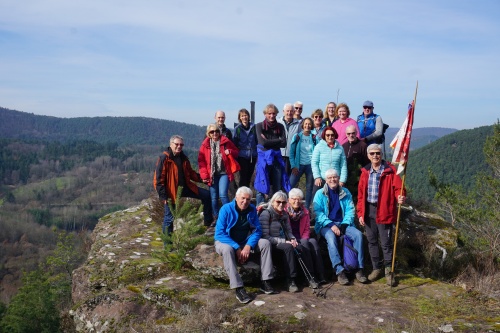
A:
(342, 279)
(375, 274)
(360, 276)
(242, 296)
(266, 287)
(313, 284)
(389, 278)
(292, 287)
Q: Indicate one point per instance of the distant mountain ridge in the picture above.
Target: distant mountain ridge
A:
(122, 130)
(139, 130)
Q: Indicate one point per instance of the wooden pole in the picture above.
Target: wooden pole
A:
(401, 193)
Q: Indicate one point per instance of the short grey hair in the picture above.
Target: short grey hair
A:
(278, 195)
(244, 190)
(270, 106)
(352, 128)
(331, 172)
(176, 136)
(287, 104)
(296, 193)
(373, 147)
(298, 103)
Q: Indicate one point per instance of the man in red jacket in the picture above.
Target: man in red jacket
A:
(379, 193)
(173, 169)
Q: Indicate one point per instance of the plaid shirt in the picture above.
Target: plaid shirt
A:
(373, 184)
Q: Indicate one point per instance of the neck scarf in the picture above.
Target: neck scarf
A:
(271, 126)
(295, 215)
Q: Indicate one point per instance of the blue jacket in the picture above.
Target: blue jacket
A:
(295, 148)
(246, 143)
(321, 208)
(324, 158)
(228, 215)
(370, 128)
(265, 158)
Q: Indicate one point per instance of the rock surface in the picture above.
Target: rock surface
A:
(125, 286)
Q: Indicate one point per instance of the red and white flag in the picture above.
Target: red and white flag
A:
(401, 142)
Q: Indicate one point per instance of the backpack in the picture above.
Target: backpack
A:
(349, 255)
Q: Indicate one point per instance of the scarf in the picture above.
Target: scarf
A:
(293, 214)
(215, 158)
(271, 126)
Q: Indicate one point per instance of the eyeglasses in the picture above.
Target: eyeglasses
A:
(280, 202)
(329, 135)
(353, 133)
(178, 144)
(296, 108)
(374, 153)
(214, 131)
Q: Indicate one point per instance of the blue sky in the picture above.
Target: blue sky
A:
(184, 60)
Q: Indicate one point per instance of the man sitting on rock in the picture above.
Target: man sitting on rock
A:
(237, 236)
(335, 216)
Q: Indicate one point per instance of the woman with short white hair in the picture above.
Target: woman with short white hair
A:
(300, 221)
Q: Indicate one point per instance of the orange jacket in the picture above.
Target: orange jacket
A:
(166, 176)
(204, 158)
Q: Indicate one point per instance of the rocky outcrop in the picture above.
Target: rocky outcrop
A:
(125, 286)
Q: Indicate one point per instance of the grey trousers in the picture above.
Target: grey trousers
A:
(228, 254)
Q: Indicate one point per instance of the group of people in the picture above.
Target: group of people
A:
(342, 160)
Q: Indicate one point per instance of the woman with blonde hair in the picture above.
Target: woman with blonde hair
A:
(216, 159)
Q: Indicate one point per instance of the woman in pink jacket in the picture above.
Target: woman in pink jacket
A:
(215, 166)
(343, 121)
(300, 221)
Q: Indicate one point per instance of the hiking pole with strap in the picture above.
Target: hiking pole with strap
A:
(302, 264)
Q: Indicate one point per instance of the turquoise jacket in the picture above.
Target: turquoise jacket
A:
(324, 158)
(295, 149)
(320, 207)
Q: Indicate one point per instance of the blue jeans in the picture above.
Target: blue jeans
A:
(294, 180)
(333, 246)
(203, 195)
(274, 172)
(218, 189)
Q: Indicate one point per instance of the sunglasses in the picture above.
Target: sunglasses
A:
(329, 135)
(280, 202)
(178, 144)
(296, 108)
(353, 133)
(375, 153)
(318, 117)
(367, 107)
(214, 131)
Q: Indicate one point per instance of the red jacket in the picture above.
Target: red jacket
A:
(204, 158)
(388, 192)
(166, 176)
(304, 224)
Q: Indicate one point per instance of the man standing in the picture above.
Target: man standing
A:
(298, 107)
(173, 169)
(371, 126)
(357, 157)
(292, 126)
(220, 119)
(335, 216)
(270, 171)
(237, 237)
(379, 193)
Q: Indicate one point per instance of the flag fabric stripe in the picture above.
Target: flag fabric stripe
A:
(401, 142)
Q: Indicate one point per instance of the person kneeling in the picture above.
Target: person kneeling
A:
(237, 233)
(334, 210)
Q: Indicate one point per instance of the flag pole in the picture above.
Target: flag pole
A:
(401, 193)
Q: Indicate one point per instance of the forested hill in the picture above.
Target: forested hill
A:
(122, 130)
(455, 158)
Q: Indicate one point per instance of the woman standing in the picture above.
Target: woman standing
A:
(245, 139)
(319, 126)
(300, 221)
(328, 154)
(330, 114)
(276, 229)
(301, 149)
(216, 155)
(341, 124)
